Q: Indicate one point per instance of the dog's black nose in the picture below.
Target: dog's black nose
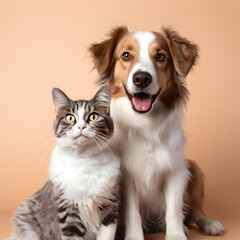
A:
(142, 79)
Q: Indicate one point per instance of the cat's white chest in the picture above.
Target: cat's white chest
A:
(83, 179)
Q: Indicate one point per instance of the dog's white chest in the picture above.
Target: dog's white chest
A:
(147, 152)
(146, 161)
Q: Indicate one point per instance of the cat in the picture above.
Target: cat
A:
(81, 199)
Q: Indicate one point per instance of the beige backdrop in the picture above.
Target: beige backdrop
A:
(43, 44)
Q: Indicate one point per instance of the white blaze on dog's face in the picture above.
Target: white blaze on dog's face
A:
(143, 76)
(145, 66)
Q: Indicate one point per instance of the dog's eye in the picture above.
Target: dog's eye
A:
(126, 56)
(160, 57)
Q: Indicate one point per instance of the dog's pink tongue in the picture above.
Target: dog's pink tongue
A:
(141, 104)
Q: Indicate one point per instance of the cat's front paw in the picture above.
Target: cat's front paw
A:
(176, 236)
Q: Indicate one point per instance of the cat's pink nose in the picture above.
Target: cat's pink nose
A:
(81, 128)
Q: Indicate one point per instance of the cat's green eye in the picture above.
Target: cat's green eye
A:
(93, 117)
(70, 118)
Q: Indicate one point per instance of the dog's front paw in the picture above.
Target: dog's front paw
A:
(214, 228)
(135, 237)
(135, 233)
(176, 236)
(130, 239)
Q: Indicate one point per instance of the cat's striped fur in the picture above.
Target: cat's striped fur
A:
(81, 199)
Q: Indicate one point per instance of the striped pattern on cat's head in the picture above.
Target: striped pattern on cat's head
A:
(80, 123)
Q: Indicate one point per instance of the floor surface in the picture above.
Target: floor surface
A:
(232, 232)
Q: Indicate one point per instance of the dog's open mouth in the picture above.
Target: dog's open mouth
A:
(141, 102)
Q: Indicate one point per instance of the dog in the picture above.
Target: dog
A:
(146, 71)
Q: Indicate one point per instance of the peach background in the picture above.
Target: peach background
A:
(43, 44)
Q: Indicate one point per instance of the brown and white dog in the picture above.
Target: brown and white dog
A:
(146, 72)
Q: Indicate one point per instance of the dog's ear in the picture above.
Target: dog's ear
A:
(103, 53)
(184, 53)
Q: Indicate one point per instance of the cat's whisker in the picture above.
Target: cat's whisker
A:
(111, 141)
(102, 134)
(97, 143)
(105, 138)
(110, 138)
(114, 143)
(43, 145)
(105, 145)
(46, 156)
(42, 149)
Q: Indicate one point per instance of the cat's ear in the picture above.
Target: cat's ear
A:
(60, 99)
(103, 96)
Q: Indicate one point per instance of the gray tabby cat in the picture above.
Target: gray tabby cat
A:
(81, 199)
